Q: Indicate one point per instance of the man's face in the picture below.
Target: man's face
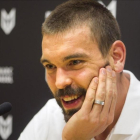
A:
(71, 60)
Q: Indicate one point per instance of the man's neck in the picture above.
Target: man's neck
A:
(123, 82)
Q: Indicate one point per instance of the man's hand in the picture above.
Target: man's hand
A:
(92, 119)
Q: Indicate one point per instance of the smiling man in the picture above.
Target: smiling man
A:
(94, 98)
(70, 66)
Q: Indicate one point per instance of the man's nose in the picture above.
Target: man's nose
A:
(62, 78)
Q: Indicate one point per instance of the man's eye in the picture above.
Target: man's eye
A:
(75, 62)
(50, 67)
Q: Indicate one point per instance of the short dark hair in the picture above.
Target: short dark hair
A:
(73, 13)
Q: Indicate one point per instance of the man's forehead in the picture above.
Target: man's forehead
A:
(70, 35)
(70, 44)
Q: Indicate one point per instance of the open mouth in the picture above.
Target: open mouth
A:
(73, 101)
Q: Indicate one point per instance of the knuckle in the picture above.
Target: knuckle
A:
(101, 95)
(110, 120)
(93, 87)
(110, 93)
(89, 98)
(82, 117)
(85, 118)
(104, 120)
(103, 79)
(115, 95)
(109, 77)
(95, 121)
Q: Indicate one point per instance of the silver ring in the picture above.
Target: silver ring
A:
(99, 102)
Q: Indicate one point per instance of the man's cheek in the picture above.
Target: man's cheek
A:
(51, 83)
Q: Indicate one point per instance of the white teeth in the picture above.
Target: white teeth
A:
(70, 98)
(75, 97)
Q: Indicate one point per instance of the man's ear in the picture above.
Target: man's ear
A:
(117, 56)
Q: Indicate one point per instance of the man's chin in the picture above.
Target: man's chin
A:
(67, 117)
(69, 113)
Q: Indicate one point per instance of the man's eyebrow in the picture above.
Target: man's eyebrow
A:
(44, 60)
(77, 55)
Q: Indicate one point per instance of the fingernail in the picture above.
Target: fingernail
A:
(103, 71)
(96, 80)
(108, 69)
(113, 74)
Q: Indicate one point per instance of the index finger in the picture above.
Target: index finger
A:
(90, 96)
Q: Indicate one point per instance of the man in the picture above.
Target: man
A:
(84, 60)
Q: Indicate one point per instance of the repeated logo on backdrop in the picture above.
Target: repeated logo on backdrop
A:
(8, 20)
(6, 127)
(7, 24)
(112, 6)
(6, 75)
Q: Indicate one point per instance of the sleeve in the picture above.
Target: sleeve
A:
(38, 127)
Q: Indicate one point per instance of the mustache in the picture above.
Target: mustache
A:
(70, 91)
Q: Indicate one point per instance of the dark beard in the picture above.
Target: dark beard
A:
(68, 91)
